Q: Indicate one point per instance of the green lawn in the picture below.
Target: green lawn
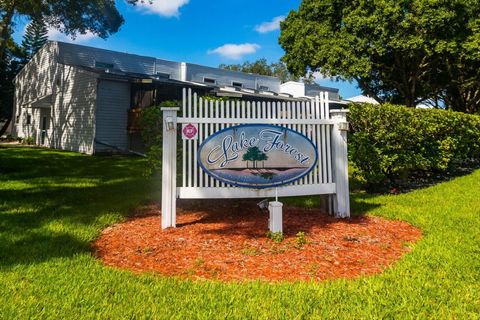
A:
(53, 204)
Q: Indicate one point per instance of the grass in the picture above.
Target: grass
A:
(53, 204)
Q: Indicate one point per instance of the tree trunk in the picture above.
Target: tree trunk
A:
(5, 126)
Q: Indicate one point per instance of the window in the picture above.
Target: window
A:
(237, 84)
(263, 88)
(209, 80)
(103, 65)
(162, 75)
(29, 119)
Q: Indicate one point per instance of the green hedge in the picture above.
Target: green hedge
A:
(389, 142)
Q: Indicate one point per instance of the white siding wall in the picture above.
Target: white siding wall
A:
(113, 102)
(73, 115)
(34, 81)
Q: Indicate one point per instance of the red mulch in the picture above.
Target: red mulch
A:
(226, 240)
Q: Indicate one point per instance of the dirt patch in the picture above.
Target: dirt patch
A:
(228, 242)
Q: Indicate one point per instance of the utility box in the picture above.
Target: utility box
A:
(275, 221)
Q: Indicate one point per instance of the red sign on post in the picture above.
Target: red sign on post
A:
(190, 131)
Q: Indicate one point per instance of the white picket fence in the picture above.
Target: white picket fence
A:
(314, 119)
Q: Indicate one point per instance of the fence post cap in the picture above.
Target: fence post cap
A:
(339, 114)
(170, 108)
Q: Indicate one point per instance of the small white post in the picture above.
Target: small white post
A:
(340, 161)
(169, 168)
(275, 221)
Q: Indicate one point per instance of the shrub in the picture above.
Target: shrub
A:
(151, 124)
(28, 141)
(276, 237)
(389, 142)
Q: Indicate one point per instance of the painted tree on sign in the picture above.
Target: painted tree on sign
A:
(254, 154)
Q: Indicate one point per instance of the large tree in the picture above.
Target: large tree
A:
(10, 64)
(71, 17)
(36, 35)
(402, 51)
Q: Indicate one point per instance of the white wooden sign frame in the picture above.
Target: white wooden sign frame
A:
(314, 119)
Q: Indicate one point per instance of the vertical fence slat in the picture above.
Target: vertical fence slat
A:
(184, 102)
(294, 126)
(205, 135)
(217, 126)
(238, 109)
(189, 142)
(200, 140)
(324, 133)
(195, 144)
(328, 145)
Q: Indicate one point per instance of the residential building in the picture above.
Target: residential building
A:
(85, 99)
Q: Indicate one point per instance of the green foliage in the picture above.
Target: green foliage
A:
(391, 142)
(28, 141)
(36, 35)
(219, 99)
(10, 65)
(261, 66)
(300, 240)
(71, 17)
(54, 204)
(276, 237)
(398, 51)
(151, 126)
(254, 154)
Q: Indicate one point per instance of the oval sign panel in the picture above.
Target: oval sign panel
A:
(257, 156)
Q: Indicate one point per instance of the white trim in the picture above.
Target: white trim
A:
(233, 192)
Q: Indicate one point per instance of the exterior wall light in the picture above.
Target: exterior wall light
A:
(343, 126)
(169, 124)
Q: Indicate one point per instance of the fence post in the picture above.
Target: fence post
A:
(169, 168)
(340, 161)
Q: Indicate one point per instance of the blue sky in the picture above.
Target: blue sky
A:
(199, 31)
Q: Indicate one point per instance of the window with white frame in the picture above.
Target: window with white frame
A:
(103, 65)
(209, 80)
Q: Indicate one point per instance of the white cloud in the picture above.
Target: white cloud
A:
(270, 25)
(235, 51)
(165, 8)
(54, 34)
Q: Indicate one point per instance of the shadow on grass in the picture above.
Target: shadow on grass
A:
(53, 204)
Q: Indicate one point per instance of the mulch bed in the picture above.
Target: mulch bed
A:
(226, 240)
